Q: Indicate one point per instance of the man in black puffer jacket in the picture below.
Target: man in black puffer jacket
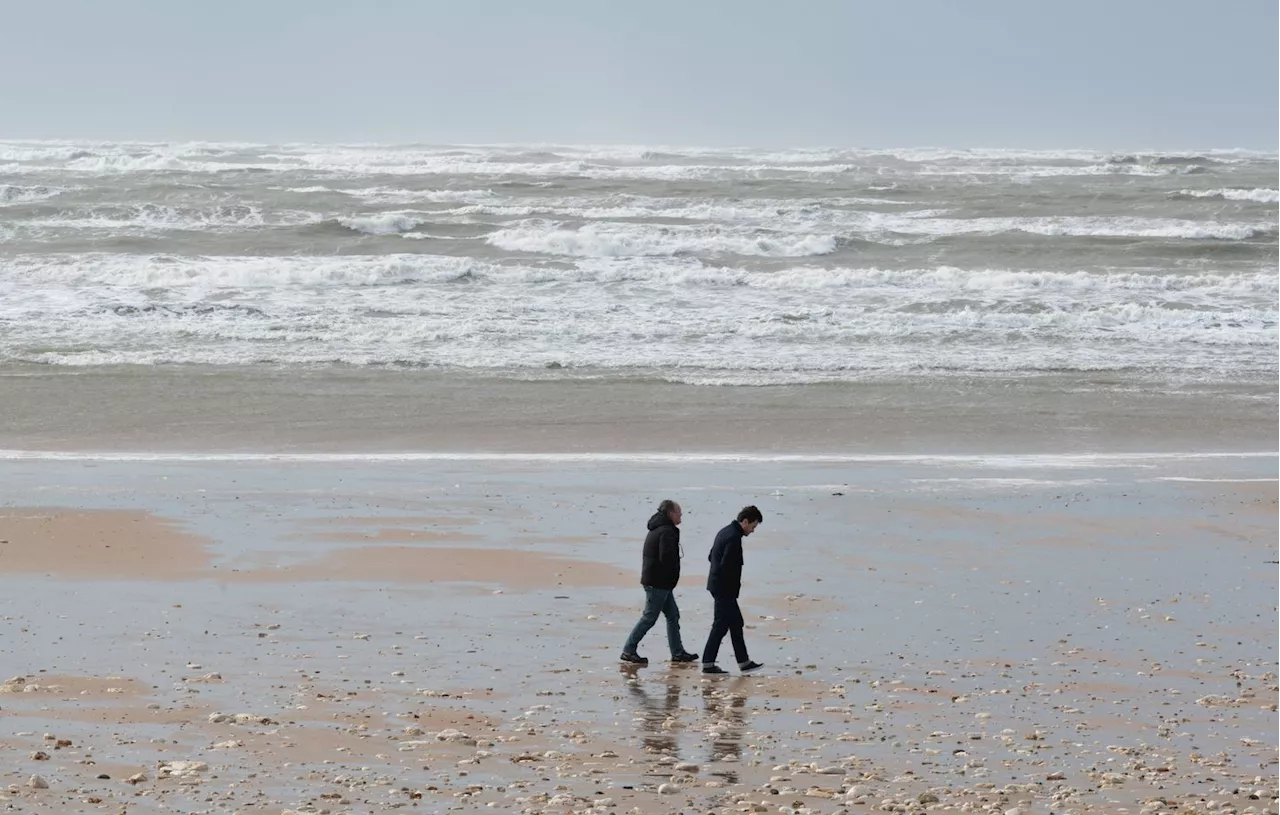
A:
(659, 574)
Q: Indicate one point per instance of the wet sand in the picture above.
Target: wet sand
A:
(186, 408)
(1040, 634)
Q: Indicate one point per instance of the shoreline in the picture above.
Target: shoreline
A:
(344, 411)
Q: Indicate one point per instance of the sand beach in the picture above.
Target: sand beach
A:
(329, 633)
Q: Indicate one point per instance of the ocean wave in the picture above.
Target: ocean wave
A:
(17, 194)
(675, 317)
(394, 195)
(1082, 227)
(37, 152)
(623, 240)
(113, 272)
(714, 348)
(917, 285)
(181, 310)
(603, 162)
(896, 288)
(1258, 195)
(1028, 171)
(162, 217)
(382, 223)
(151, 163)
(1170, 159)
(771, 214)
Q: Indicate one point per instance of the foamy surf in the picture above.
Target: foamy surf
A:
(714, 267)
(1258, 195)
(625, 240)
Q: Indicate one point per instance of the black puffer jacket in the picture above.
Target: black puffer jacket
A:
(660, 567)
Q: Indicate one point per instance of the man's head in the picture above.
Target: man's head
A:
(749, 518)
(671, 509)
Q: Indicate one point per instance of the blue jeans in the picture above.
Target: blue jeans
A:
(657, 601)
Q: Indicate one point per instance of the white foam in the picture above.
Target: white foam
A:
(115, 271)
(143, 218)
(630, 315)
(396, 195)
(992, 483)
(775, 215)
(383, 223)
(1003, 461)
(1259, 195)
(1218, 480)
(18, 194)
(629, 240)
(604, 162)
(1080, 227)
(693, 283)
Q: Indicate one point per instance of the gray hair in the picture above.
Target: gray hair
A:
(666, 506)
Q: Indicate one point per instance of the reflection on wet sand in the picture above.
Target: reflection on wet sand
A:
(658, 714)
(726, 706)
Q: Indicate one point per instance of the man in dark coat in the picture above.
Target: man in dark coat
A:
(659, 574)
(724, 581)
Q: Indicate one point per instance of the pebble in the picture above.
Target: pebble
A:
(181, 769)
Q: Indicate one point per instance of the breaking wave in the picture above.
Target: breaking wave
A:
(383, 223)
(704, 265)
(625, 240)
(161, 217)
(17, 194)
(1258, 195)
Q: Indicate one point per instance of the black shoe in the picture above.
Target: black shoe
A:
(748, 667)
(685, 656)
(634, 659)
(713, 669)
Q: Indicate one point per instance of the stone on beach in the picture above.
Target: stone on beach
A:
(180, 769)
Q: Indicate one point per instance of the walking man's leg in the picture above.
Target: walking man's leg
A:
(735, 634)
(719, 627)
(654, 600)
(672, 612)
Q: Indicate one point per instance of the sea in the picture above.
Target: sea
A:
(383, 273)
(700, 266)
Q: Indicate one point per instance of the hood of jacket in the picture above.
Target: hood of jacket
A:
(659, 519)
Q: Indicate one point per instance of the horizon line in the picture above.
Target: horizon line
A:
(70, 140)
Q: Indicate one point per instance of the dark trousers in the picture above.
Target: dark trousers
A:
(727, 620)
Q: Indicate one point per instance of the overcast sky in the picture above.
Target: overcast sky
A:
(1120, 74)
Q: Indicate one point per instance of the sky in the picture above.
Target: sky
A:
(1119, 74)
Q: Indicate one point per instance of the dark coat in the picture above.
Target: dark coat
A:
(660, 567)
(725, 577)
